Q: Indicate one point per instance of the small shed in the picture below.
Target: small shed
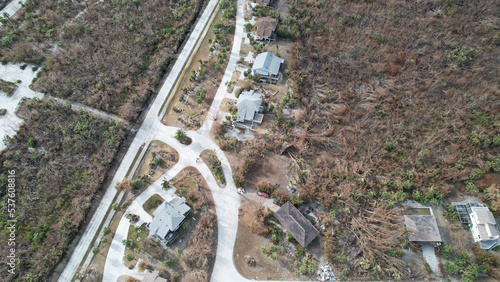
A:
(297, 224)
(424, 229)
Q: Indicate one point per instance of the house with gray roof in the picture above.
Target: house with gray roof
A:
(167, 219)
(267, 66)
(249, 107)
(297, 224)
(483, 227)
(423, 229)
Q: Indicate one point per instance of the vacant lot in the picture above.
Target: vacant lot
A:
(160, 158)
(61, 158)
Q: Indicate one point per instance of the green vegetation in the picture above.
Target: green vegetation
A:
(68, 152)
(215, 165)
(114, 54)
(7, 87)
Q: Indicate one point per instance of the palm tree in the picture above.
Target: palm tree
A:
(180, 135)
(165, 183)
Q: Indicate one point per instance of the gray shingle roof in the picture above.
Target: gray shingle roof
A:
(168, 216)
(249, 103)
(267, 63)
(301, 229)
(424, 228)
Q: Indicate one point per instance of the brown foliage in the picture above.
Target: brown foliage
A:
(280, 195)
(380, 109)
(110, 66)
(198, 258)
(265, 186)
(125, 185)
(153, 248)
(253, 217)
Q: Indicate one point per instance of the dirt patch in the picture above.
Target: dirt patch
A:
(245, 48)
(274, 169)
(184, 111)
(152, 204)
(159, 158)
(226, 102)
(266, 268)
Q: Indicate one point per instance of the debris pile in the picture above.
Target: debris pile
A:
(325, 273)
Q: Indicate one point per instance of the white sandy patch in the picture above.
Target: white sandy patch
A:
(10, 123)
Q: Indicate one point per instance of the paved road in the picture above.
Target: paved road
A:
(226, 199)
(144, 136)
(12, 8)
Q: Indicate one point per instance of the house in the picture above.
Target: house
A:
(483, 227)
(267, 66)
(167, 219)
(424, 229)
(293, 221)
(249, 107)
(266, 29)
(153, 277)
(481, 222)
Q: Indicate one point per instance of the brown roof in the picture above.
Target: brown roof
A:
(300, 228)
(153, 277)
(266, 26)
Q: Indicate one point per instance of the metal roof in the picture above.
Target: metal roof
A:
(168, 216)
(267, 63)
(249, 103)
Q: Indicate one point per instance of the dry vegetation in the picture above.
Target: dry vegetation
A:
(399, 100)
(111, 57)
(391, 101)
(197, 260)
(61, 158)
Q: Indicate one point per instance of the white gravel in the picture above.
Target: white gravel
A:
(10, 123)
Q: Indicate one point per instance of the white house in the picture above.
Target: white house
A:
(483, 227)
(167, 219)
(249, 107)
(268, 67)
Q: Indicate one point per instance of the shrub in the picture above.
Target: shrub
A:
(106, 230)
(428, 268)
(265, 186)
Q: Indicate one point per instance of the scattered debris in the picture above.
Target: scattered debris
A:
(250, 260)
(325, 273)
